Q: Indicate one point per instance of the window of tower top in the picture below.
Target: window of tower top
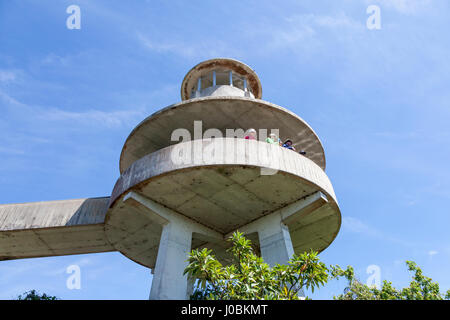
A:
(208, 84)
(221, 77)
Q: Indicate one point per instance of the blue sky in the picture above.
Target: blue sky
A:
(378, 99)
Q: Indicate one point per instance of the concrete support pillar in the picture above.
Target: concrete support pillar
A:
(274, 238)
(174, 247)
(275, 241)
(273, 233)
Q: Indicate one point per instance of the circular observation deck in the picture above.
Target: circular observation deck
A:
(223, 184)
(222, 113)
(221, 76)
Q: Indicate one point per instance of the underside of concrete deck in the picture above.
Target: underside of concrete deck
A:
(53, 228)
(221, 113)
(221, 193)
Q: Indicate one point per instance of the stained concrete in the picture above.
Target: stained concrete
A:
(172, 197)
(53, 228)
(222, 113)
(224, 195)
(220, 64)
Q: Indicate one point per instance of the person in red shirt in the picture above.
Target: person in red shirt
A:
(251, 134)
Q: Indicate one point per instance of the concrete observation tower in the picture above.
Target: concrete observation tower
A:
(189, 179)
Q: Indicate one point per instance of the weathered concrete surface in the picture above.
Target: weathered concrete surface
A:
(53, 228)
(223, 91)
(222, 193)
(273, 233)
(172, 197)
(222, 113)
(174, 244)
(223, 152)
(275, 242)
(225, 64)
(174, 247)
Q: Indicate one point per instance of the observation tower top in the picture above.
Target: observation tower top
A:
(221, 77)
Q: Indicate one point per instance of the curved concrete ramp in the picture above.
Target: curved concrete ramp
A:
(53, 228)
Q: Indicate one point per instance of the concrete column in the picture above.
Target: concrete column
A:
(174, 247)
(275, 241)
(273, 233)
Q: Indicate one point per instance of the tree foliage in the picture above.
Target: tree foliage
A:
(249, 277)
(34, 295)
(420, 287)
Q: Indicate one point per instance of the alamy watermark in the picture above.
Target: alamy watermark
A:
(374, 20)
(207, 148)
(74, 20)
(374, 280)
(74, 280)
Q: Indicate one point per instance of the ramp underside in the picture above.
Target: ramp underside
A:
(53, 228)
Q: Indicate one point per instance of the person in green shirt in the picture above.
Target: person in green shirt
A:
(273, 139)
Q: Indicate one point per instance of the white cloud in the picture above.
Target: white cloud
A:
(117, 118)
(161, 47)
(54, 59)
(407, 7)
(307, 32)
(11, 151)
(83, 262)
(341, 20)
(10, 270)
(432, 253)
(197, 49)
(9, 100)
(96, 117)
(355, 225)
(7, 76)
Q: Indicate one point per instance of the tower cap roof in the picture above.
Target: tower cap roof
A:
(207, 66)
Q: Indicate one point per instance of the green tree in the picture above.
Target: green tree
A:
(420, 287)
(34, 295)
(249, 277)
